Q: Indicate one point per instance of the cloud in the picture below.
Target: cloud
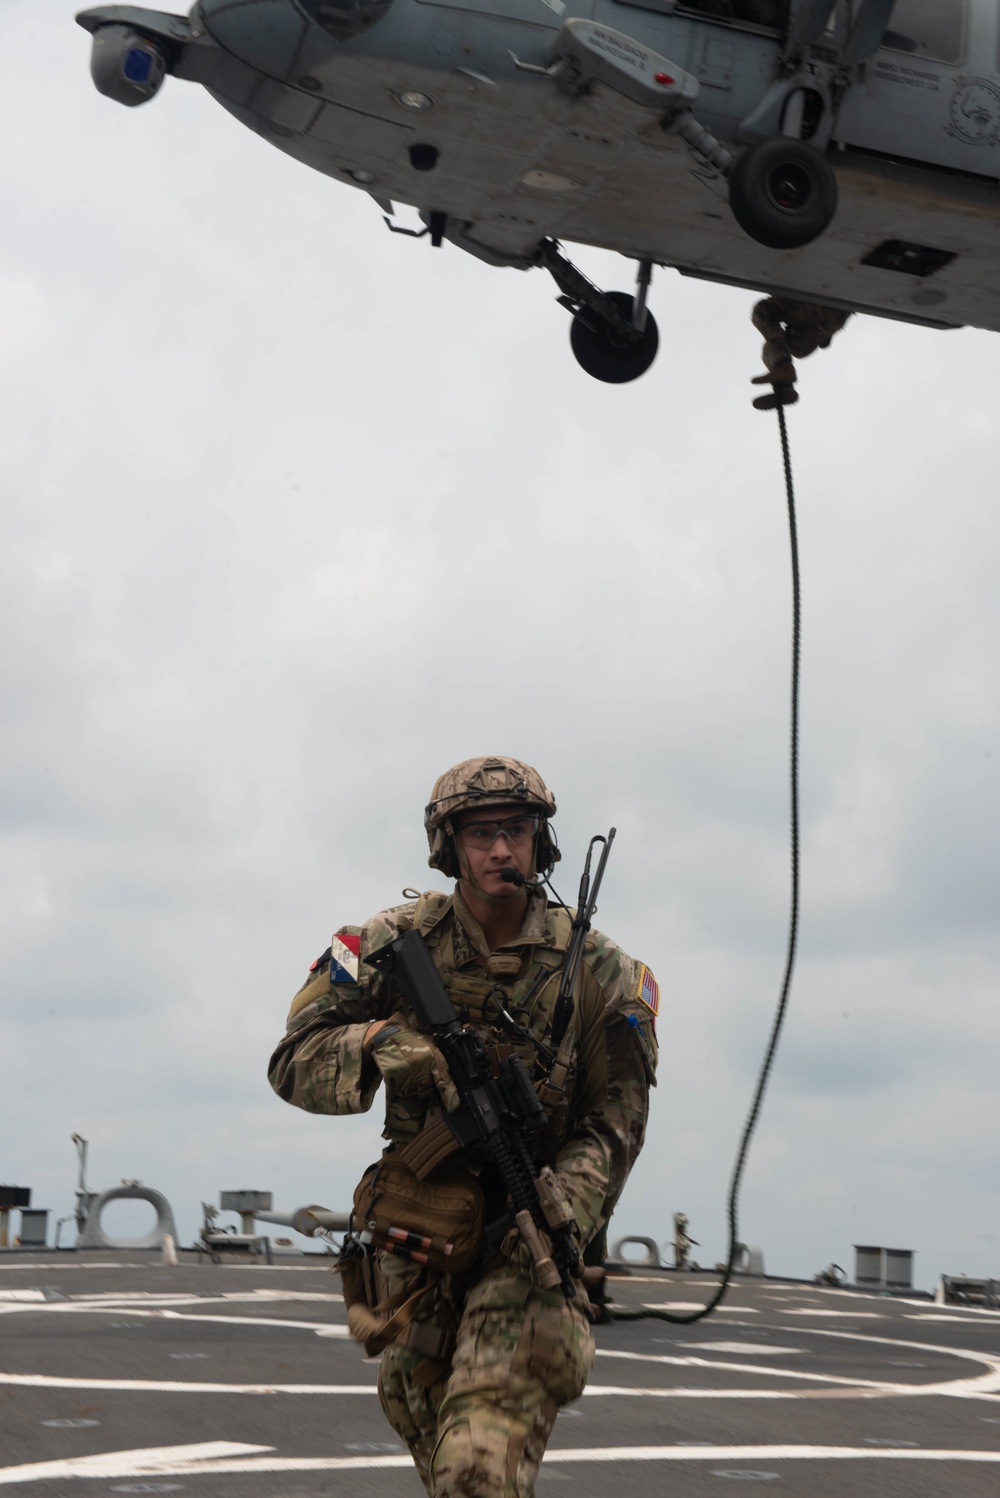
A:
(298, 513)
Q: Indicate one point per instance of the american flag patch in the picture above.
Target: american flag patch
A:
(344, 951)
(649, 990)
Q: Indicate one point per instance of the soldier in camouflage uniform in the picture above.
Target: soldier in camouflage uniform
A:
(791, 330)
(474, 1382)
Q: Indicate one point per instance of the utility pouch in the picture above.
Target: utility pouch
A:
(377, 1324)
(357, 1279)
(437, 1222)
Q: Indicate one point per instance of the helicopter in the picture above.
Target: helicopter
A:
(842, 153)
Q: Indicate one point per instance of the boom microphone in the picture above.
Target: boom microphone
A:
(512, 876)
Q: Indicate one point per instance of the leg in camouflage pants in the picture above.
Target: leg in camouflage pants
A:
(478, 1428)
(791, 330)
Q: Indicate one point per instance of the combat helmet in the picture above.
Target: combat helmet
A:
(489, 780)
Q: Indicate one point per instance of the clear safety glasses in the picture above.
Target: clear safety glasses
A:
(517, 830)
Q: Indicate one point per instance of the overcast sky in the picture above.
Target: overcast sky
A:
(296, 514)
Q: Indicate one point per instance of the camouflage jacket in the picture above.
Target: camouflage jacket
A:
(593, 1138)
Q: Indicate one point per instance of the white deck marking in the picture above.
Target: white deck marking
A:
(934, 1316)
(758, 1347)
(173, 1386)
(226, 1297)
(984, 1386)
(646, 1392)
(764, 1453)
(822, 1311)
(981, 1386)
(68, 1263)
(680, 1392)
(222, 1458)
(796, 1375)
(165, 1386)
(696, 1305)
(167, 1313)
(67, 1260)
(988, 1382)
(136, 1463)
(841, 1293)
(321, 1328)
(35, 1300)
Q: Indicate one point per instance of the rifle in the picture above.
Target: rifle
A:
(496, 1113)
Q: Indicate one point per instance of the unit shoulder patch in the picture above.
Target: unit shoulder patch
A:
(648, 990)
(345, 949)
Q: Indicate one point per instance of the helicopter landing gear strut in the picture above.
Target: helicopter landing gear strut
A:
(614, 336)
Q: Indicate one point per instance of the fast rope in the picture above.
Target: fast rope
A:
(608, 1312)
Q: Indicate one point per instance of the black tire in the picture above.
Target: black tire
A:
(783, 193)
(607, 358)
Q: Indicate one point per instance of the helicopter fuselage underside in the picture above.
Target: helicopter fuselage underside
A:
(520, 159)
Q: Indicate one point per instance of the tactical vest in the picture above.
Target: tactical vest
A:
(526, 985)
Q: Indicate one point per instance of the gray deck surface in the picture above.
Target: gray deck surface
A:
(113, 1362)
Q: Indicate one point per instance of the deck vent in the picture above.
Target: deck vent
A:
(910, 259)
(34, 1227)
(884, 1268)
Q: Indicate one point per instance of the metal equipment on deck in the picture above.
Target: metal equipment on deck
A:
(883, 1268)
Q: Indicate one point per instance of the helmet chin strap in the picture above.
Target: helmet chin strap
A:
(466, 876)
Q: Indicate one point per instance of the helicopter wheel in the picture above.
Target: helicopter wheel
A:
(604, 356)
(783, 193)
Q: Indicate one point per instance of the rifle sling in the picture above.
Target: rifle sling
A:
(553, 1090)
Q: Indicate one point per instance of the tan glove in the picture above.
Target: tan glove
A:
(412, 1066)
(519, 1255)
(554, 1196)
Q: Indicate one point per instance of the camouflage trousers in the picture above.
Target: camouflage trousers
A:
(478, 1427)
(794, 329)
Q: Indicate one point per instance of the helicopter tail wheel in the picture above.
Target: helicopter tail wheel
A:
(607, 356)
(783, 193)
